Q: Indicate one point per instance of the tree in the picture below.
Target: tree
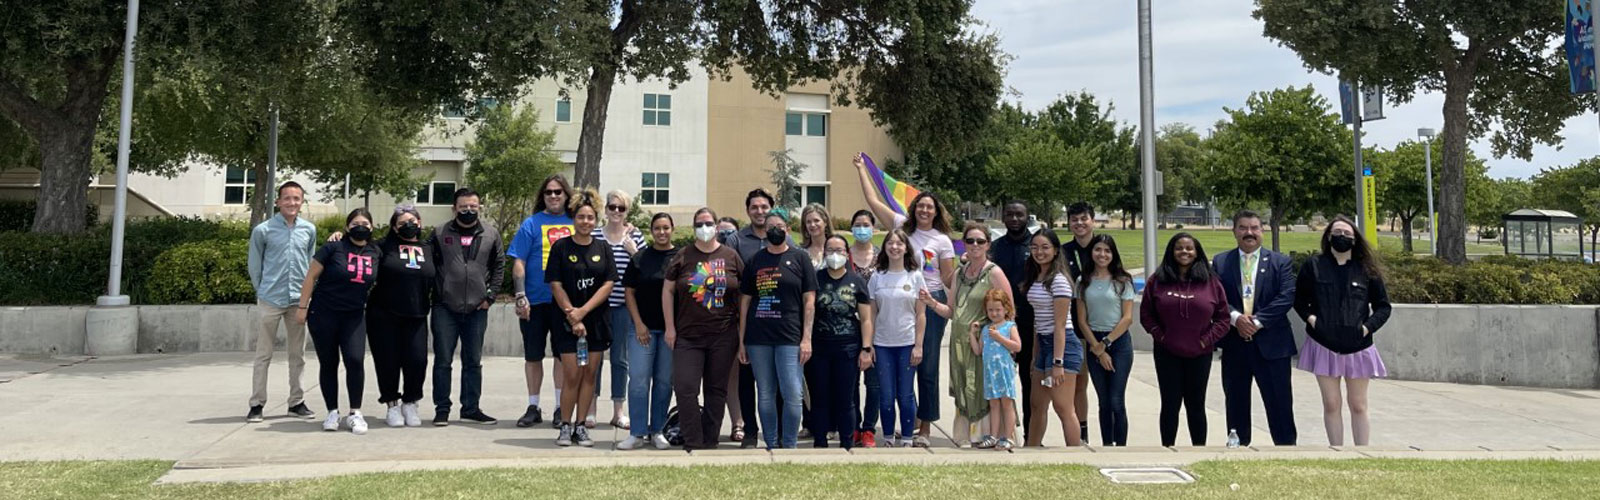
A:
(508, 160)
(895, 58)
(786, 179)
(1285, 149)
(1573, 188)
(1402, 185)
(1499, 58)
(1503, 196)
(1179, 152)
(1079, 121)
(1037, 168)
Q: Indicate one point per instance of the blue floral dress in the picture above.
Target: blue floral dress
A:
(999, 370)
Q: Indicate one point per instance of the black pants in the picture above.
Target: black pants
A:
(339, 334)
(833, 374)
(1182, 382)
(1241, 365)
(702, 362)
(1025, 365)
(399, 347)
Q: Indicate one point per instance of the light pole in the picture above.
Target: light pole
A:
(1427, 162)
(1147, 122)
(112, 327)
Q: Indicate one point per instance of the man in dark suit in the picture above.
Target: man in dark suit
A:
(1260, 287)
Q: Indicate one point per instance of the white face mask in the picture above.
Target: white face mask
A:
(705, 233)
(834, 260)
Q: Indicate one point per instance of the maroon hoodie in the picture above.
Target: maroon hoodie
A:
(1186, 319)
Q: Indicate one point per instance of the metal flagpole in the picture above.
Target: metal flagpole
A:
(1147, 122)
(114, 296)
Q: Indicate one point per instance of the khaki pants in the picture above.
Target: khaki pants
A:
(266, 339)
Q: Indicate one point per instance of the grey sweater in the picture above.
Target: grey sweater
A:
(470, 265)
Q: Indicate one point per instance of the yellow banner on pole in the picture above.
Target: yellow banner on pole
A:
(1370, 209)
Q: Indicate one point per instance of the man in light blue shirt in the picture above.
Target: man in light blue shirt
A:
(280, 252)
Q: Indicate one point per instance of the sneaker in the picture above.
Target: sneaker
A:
(630, 443)
(987, 443)
(867, 440)
(301, 411)
(888, 442)
(920, 441)
(331, 423)
(478, 417)
(565, 438)
(905, 442)
(441, 419)
(409, 413)
(660, 440)
(530, 417)
(358, 424)
(555, 418)
(581, 435)
(749, 441)
(393, 418)
(254, 415)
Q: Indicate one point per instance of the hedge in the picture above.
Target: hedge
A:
(17, 215)
(43, 269)
(1493, 280)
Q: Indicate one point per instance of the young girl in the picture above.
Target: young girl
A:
(1000, 342)
(898, 332)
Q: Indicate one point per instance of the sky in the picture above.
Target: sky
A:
(1207, 54)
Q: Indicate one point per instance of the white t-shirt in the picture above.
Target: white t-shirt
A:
(895, 293)
(931, 247)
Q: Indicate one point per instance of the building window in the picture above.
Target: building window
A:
(564, 110)
(658, 109)
(815, 194)
(240, 186)
(437, 193)
(457, 110)
(806, 124)
(654, 189)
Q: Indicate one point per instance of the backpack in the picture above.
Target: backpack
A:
(672, 430)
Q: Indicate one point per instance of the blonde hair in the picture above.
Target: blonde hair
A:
(583, 198)
(827, 223)
(622, 196)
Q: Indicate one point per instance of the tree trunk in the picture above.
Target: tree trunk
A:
(1405, 231)
(264, 199)
(65, 134)
(591, 140)
(1452, 181)
(1276, 222)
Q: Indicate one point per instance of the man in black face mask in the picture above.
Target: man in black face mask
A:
(470, 269)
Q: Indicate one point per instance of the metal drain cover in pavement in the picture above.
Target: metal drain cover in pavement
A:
(1147, 475)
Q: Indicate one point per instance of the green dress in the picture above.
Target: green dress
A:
(966, 368)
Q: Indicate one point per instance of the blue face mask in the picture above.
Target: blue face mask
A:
(862, 233)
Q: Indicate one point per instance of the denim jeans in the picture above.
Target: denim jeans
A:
(928, 370)
(1111, 387)
(621, 333)
(894, 375)
(450, 329)
(777, 368)
(649, 382)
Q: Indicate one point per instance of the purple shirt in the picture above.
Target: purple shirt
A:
(1186, 319)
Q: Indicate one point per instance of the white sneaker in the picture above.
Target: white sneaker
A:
(331, 423)
(409, 412)
(358, 424)
(630, 443)
(394, 418)
(904, 442)
(660, 440)
(565, 438)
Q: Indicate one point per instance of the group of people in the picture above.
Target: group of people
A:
(782, 337)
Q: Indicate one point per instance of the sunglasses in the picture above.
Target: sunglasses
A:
(705, 224)
(976, 241)
(616, 208)
(554, 192)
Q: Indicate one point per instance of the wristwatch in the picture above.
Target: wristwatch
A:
(1058, 363)
(867, 349)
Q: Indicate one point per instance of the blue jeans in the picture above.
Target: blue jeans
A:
(777, 368)
(449, 329)
(1111, 387)
(894, 375)
(649, 382)
(928, 370)
(621, 333)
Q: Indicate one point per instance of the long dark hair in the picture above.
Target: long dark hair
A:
(883, 252)
(1199, 271)
(1119, 276)
(941, 221)
(538, 205)
(1362, 252)
(1031, 270)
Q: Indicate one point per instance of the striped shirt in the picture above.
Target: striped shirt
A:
(1042, 298)
(619, 254)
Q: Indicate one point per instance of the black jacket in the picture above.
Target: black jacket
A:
(1344, 299)
(467, 274)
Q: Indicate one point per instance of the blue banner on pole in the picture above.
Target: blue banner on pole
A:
(1347, 103)
(1580, 47)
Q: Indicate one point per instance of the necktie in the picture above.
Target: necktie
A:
(1249, 282)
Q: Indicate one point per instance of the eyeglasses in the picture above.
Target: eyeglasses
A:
(976, 241)
(554, 192)
(616, 208)
(1041, 248)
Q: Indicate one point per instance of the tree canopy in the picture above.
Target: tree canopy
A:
(510, 157)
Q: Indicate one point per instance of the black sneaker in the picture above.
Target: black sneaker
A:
(749, 440)
(441, 419)
(254, 415)
(478, 417)
(530, 417)
(301, 411)
(555, 418)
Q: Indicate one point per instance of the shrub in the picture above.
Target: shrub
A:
(17, 215)
(75, 267)
(202, 273)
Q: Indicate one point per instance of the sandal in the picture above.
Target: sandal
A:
(920, 441)
(987, 443)
(738, 434)
(621, 422)
(1003, 445)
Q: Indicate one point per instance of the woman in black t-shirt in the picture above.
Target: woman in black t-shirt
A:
(397, 317)
(843, 345)
(649, 357)
(332, 300)
(581, 273)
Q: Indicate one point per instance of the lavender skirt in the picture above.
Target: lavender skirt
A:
(1319, 360)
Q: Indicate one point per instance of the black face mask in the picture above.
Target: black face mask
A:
(360, 233)
(1342, 243)
(467, 217)
(409, 230)
(777, 236)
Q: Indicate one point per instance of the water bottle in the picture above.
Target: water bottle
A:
(1233, 438)
(583, 353)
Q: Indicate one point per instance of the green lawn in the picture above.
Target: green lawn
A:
(1368, 478)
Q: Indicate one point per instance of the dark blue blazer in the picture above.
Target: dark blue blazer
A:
(1274, 300)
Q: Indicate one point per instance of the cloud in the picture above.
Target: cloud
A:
(1207, 54)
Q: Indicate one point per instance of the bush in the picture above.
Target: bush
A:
(1493, 280)
(17, 215)
(202, 273)
(75, 267)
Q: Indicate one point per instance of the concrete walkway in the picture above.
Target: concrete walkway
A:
(190, 409)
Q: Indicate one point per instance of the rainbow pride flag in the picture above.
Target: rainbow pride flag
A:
(897, 194)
